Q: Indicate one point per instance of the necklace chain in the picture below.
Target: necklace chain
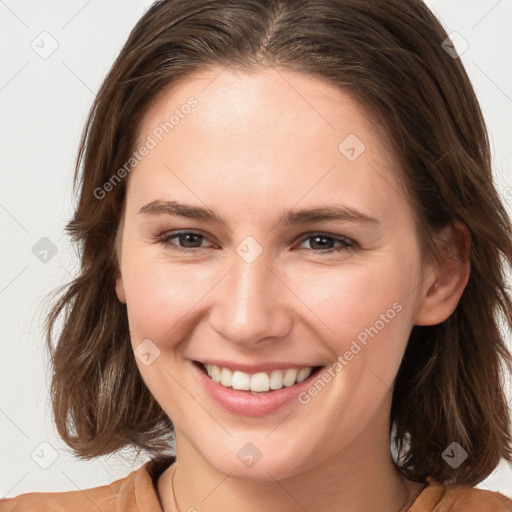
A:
(404, 508)
(172, 487)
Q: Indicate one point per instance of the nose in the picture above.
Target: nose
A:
(252, 303)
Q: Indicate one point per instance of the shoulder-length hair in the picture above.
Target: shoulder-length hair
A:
(392, 55)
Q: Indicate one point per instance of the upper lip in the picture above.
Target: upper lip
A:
(256, 368)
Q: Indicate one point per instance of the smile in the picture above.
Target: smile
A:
(261, 389)
(261, 382)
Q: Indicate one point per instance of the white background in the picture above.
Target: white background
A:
(43, 104)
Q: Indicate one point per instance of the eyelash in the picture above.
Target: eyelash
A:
(348, 244)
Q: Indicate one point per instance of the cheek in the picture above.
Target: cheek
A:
(369, 303)
(368, 309)
(161, 297)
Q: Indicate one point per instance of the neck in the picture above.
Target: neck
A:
(361, 478)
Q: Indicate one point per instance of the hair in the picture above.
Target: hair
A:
(389, 55)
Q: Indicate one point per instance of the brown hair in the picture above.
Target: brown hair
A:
(390, 55)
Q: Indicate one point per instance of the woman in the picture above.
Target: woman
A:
(292, 250)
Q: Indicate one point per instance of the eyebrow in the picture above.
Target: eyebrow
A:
(290, 217)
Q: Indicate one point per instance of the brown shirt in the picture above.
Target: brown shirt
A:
(137, 493)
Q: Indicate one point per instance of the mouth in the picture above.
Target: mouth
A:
(260, 383)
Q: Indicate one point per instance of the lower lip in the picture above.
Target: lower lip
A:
(247, 404)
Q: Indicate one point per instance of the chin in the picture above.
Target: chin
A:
(259, 461)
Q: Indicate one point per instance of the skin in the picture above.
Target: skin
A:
(255, 146)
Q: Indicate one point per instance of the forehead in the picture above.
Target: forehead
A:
(261, 136)
(269, 98)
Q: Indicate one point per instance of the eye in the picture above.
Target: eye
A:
(186, 240)
(321, 243)
(327, 243)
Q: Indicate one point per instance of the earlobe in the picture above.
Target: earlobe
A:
(120, 290)
(447, 280)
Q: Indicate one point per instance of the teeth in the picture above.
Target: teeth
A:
(257, 382)
(226, 377)
(276, 379)
(239, 380)
(290, 377)
(303, 374)
(215, 373)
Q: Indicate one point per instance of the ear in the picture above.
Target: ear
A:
(121, 295)
(447, 279)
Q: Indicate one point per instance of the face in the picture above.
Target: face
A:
(295, 248)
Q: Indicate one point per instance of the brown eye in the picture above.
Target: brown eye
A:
(184, 240)
(325, 243)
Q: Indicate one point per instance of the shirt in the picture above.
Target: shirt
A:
(137, 492)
